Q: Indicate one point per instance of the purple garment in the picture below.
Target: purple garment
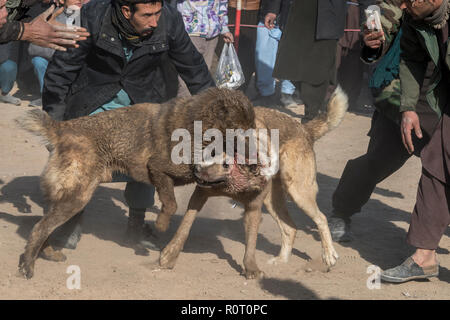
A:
(204, 18)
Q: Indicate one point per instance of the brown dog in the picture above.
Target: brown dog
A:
(133, 140)
(245, 183)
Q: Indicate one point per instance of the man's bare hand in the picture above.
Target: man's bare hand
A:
(372, 39)
(45, 31)
(410, 121)
(269, 20)
(228, 37)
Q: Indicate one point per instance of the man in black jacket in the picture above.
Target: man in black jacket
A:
(129, 58)
(307, 49)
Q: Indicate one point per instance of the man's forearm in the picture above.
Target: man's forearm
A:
(411, 77)
(223, 16)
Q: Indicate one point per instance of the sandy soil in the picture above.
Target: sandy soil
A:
(211, 264)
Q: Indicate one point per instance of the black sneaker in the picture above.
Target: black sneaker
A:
(287, 100)
(68, 241)
(297, 97)
(340, 229)
(69, 234)
(139, 234)
(149, 238)
(266, 101)
(36, 103)
(409, 270)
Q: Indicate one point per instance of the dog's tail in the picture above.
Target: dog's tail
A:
(39, 123)
(325, 122)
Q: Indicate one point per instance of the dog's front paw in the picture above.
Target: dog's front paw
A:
(168, 257)
(140, 250)
(330, 257)
(254, 274)
(26, 269)
(277, 260)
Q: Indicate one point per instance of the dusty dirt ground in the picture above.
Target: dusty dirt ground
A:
(210, 265)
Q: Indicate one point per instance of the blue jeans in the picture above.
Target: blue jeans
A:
(8, 73)
(265, 56)
(40, 66)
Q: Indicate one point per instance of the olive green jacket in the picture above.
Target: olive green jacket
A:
(419, 45)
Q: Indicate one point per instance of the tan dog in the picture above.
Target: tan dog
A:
(245, 183)
(133, 140)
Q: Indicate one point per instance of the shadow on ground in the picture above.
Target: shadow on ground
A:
(378, 239)
(289, 289)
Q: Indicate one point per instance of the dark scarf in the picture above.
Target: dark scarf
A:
(439, 18)
(126, 30)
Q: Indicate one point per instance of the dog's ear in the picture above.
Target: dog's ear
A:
(232, 108)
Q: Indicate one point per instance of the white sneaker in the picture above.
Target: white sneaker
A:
(10, 99)
(36, 103)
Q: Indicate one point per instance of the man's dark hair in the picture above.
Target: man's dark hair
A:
(132, 3)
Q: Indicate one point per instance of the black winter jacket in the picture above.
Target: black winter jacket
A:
(82, 79)
(280, 8)
(330, 17)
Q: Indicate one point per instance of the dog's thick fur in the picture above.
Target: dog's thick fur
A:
(296, 177)
(133, 140)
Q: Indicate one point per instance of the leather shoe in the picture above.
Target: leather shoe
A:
(409, 270)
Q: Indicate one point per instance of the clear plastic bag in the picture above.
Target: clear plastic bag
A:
(373, 20)
(229, 72)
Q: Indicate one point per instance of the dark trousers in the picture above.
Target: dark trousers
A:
(350, 73)
(313, 96)
(385, 155)
(431, 214)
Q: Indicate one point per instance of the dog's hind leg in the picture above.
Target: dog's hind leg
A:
(275, 203)
(300, 182)
(306, 200)
(49, 253)
(170, 253)
(58, 213)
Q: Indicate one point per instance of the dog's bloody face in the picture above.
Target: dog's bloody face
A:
(231, 178)
(212, 175)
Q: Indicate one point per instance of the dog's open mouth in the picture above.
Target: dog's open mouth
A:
(209, 184)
